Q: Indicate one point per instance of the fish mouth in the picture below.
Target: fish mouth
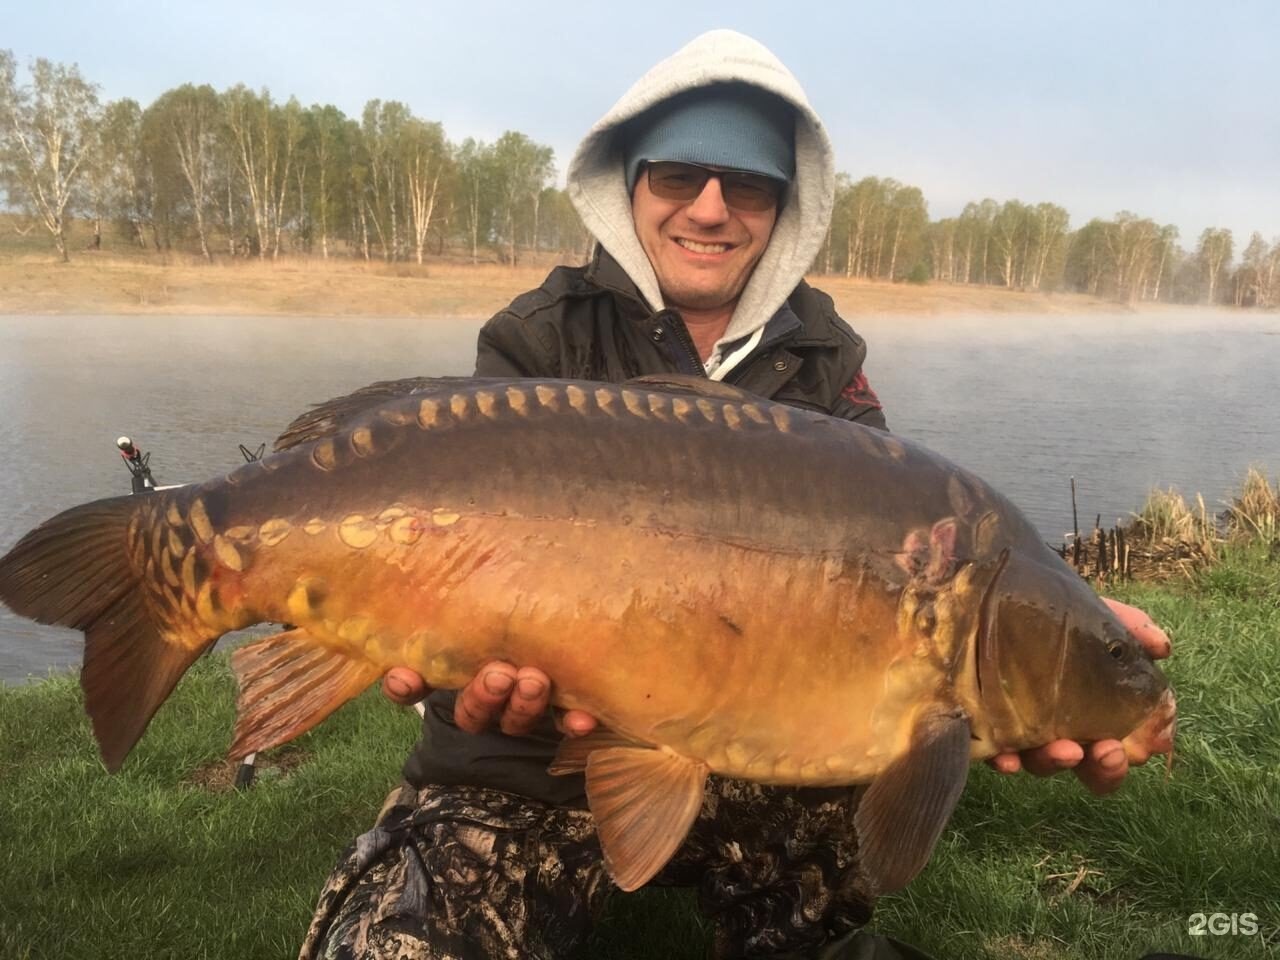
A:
(1156, 733)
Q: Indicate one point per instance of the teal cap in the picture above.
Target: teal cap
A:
(731, 125)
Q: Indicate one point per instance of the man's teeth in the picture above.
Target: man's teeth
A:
(702, 247)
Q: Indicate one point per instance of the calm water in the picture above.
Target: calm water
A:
(1122, 403)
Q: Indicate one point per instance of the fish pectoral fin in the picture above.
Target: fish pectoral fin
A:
(902, 813)
(644, 801)
(573, 752)
(289, 682)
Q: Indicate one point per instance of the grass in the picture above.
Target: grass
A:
(164, 859)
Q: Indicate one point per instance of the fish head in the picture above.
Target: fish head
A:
(1054, 662)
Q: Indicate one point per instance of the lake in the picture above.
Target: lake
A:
(1123, 403)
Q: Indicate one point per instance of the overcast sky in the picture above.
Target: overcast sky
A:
(1168, 109)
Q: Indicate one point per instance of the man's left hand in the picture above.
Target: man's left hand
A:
(1101, 766)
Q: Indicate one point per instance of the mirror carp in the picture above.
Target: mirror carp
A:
(730, 585)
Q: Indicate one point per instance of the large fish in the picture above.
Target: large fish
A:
(731, 585)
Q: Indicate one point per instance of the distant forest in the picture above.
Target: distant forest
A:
(237, 173)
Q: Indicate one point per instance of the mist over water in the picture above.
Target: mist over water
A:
(1123, 403)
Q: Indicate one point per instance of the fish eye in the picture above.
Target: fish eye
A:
(1116, 649)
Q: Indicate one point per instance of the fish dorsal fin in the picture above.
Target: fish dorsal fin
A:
(288, 683)
(644, 801)
(686, 383)
(902, 814)
(329, 418)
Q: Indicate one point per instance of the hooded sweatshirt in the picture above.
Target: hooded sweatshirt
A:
(597, 187)
(597, 182)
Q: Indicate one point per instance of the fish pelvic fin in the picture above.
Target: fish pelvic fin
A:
(574, 752)
(902, 814)
(75, 571)
(289, 682)
(644, 802)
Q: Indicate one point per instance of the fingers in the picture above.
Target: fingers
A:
(1101, 767)
(1154, 640)
(1052, 757)
(481, 702)
(1104, 768)
(501, 695)
(1006, 763)
(403, 686)
(576, 723)
(529, 701)
(514, 700)
(1042, 761)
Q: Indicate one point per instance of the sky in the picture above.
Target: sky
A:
(1167, 109)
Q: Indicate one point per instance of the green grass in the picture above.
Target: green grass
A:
(163, 860)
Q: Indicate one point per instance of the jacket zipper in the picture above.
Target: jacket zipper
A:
(692, 362)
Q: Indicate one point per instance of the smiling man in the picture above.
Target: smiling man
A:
(709, 187)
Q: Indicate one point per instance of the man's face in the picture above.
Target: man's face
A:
(702, 251)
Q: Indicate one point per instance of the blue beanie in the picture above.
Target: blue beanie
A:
(732, 125)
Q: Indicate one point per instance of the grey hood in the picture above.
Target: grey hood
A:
(597, 185)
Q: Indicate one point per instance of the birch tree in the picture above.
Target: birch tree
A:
(475, 178)
(130, 182)
(46, 134)
(424, 157)
(1214, 254)
(942, 248)
(328, 132)
(863, 208)
(289, 128)
(521, 169)
(186, 120)
(1166, 254)
(264, 138)
(1006, 233)
(1251, 278)
(1049, 231)
(383, 128)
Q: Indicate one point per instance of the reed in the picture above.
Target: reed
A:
(1254, 513)
(1166, 516)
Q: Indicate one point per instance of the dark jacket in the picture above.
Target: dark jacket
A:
(590, 323)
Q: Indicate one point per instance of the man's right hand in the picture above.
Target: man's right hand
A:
(513, 698)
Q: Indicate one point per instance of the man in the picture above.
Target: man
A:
(709, 187)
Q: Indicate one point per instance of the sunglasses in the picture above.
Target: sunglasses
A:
(684, 183)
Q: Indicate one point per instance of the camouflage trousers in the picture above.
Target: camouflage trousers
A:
(459, 873)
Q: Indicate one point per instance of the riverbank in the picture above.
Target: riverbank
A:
(96, 283)
(165, 858)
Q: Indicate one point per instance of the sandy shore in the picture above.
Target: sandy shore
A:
(99, 283)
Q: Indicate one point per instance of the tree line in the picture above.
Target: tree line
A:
(881, 230)
(240, 173)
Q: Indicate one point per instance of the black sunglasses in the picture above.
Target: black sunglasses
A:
(684, 183)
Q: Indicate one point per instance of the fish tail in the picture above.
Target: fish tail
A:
(88, 568)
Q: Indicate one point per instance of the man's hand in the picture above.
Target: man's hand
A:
(513, 698)
(1101, 766)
